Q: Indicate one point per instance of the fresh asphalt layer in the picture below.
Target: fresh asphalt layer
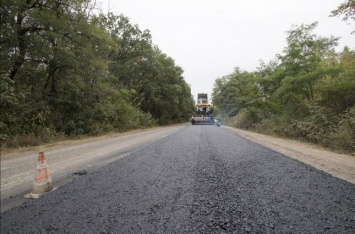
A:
(202, 179)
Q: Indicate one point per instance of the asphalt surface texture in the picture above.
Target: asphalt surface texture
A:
(202, 179)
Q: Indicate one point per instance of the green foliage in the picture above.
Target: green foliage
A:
(343, 137)
(315, 126)
(337, 89)
(66, 71)
(306, 93)
(246, 118)
(346, 9)
(237, 91)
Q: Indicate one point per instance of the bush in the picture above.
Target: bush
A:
(267, 126)
(309, 131)
(343, 138)
(246, 119)
(41, 136)
(22, 141)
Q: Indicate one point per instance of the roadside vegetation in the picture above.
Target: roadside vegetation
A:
(68, 70)
(306, 93)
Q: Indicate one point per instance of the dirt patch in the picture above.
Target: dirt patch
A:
(69, 142)
(338, 165)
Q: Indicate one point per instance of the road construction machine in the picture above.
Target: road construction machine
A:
(203, 111)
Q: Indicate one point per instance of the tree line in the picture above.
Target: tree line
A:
(68, 69)
(307, 92)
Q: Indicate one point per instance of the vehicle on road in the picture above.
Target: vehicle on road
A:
(204, 111)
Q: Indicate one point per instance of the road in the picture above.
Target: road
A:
(17, 171)
(197, 179)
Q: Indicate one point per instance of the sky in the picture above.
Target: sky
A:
(210, 38)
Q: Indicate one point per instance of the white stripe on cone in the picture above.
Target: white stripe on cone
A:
(43, 181)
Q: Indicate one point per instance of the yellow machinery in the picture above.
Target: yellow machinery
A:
(204, 111)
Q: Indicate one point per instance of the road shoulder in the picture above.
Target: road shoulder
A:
(339, 165)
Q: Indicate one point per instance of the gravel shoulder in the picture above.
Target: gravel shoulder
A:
(339, 165)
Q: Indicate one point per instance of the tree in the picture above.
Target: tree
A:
(347, 9)
(67, 70)
(51, 51)
(306, 93)
(337, 90)
(158, 85)
(301, 67)
(236, 91)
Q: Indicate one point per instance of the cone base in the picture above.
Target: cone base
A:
(39, 189)
(32, 195)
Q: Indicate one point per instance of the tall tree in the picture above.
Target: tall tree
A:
(307, 92)
(301, 66)
(140, 67)
(41, 43)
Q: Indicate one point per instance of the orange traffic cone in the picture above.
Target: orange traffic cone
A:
(43, 181)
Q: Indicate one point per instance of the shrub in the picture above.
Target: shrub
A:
(267, 126)
(343, 138)
(245, 119)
